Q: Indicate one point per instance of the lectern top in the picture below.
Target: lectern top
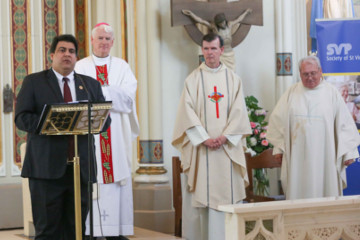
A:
(73, 118)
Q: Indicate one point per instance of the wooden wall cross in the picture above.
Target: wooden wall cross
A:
(208, 10)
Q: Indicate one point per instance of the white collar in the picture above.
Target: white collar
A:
(101, 61)
(213, 70)
(60, 77)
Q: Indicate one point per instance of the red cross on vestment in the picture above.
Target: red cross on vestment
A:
(216, 98)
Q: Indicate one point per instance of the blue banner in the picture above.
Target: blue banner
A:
(339, 46)
(339, 54)
(353, 179)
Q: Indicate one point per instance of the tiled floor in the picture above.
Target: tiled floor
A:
(140, 234)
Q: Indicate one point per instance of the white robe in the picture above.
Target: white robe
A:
(115, 199)
(316, 133)
(213, 177)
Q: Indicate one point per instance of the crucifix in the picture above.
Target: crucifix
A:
(207, 11)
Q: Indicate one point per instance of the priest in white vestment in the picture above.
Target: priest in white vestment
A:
(113, 200)
(211, 121)
(313, 135)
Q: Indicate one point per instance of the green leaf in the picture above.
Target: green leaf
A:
(105, 135)
(106, 165)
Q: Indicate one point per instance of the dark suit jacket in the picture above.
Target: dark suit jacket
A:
(46, 156)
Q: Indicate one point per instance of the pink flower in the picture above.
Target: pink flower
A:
(264, 142)
(263, 135)
(256, 131)
(252, 124)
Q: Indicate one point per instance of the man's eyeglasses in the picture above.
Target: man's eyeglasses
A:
(313, 74)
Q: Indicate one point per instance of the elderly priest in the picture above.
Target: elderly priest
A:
(313, 135)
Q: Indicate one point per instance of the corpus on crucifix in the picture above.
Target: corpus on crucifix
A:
(224, 29)
(220, 17)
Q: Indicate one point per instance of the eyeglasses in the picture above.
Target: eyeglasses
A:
(312, 74)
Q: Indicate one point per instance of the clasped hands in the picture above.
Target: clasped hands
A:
(215, 143)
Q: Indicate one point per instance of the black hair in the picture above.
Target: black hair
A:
(211, 37)
(65, 38)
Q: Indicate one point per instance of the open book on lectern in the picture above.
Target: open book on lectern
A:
(72, 118)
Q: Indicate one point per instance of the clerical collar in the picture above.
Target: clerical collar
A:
(213, 70)
(101, 61)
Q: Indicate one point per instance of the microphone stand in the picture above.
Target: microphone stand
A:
(90, 167)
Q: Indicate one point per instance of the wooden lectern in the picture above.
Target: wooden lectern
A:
(73, 119)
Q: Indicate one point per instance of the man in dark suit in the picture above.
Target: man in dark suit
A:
(46, 160)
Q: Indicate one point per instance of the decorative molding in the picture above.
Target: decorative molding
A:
(51, 27)
(331, 218)
(124, 30)
(284, 64)
(151, 152)
(20, 42)
(151, 165)
(81, 31)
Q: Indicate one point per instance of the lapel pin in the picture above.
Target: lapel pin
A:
(81, 87)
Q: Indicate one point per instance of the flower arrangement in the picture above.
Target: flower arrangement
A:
(257, 143)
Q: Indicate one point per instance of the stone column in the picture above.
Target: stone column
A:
(152, 192)
(151, 163)
(284, 48)
(300, 33)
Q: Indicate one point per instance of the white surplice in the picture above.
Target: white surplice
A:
(114, 201)
(316, 133)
